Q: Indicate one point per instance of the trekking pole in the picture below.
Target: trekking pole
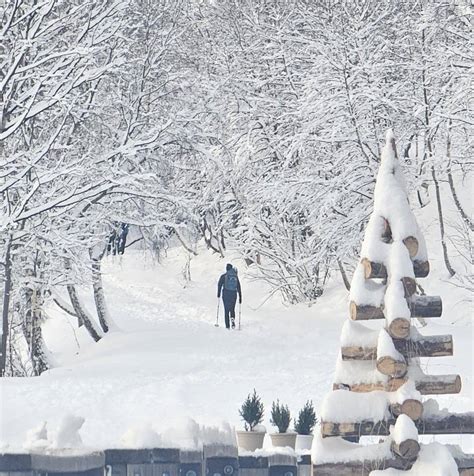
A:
(217, 316)
(240, 313)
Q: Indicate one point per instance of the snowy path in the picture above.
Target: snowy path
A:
(169, 362)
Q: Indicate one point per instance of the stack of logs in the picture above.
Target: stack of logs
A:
(409, 345)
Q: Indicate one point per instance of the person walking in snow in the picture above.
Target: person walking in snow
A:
(229, 286)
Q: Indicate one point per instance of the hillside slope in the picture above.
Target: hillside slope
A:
(167, 370)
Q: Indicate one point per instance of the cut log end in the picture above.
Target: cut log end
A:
(399, 328)
(421, 268)
(407, 449)
(373, 270)
(412, 408)
(389, 366)
(412, 245)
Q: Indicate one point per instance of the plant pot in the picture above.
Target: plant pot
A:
(304, 442)
(250, 440)
(284, 439)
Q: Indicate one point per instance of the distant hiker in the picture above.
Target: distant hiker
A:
(229, 284)
(122, 238)
(118, 239)
(112, 243)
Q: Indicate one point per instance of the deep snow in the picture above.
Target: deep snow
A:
(169, 370)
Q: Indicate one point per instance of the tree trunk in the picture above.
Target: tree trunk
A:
(6, 306)
(347, 284)
(441, 224)
(463, 214)
(37, 345)
(99, 297)
(82, 313)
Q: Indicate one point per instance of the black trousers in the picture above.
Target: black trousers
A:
(229, 298)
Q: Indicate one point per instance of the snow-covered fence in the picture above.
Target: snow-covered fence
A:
(379, 385)
(213, 460)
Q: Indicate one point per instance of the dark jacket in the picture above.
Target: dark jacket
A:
(226, 293)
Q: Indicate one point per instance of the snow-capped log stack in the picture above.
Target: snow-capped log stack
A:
(378, 383)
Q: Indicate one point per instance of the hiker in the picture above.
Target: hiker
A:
(122, 238)
(229, 284)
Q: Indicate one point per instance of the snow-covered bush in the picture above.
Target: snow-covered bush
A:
(252, 411)
(306, 420)
(280, 416)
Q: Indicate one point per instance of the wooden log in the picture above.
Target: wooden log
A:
(425, 306)
(465, 465)
(420, 306)
(412, 245)
(439, 384)
(354, 352)
(427, 346)
(374, 270)
(426, 385)
(407, 449)
(399, 328)
(410, 407)
(459, 423)
(360, 468)
(390, 366)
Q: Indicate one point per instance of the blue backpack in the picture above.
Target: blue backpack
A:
(230, 281)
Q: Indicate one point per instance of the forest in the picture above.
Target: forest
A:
(254, 125)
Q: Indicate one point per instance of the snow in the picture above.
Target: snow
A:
(168, 368)
(67, 435)
(433, 460)
(390, 196)
(395, 303)
(352, 372)
(373, 248)
(404, 429)
(356, 334)
(365, 291)
(391, 204)
(399, 264)
(343, 406)
(407, 391)
(37, 438)
(386, 348)
(336, 450)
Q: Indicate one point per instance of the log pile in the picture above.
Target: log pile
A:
(384, 288)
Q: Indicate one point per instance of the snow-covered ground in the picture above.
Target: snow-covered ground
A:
(169, 376)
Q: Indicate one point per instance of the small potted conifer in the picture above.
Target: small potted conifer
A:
(281, 419)
(251, 413)
(304, 425)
